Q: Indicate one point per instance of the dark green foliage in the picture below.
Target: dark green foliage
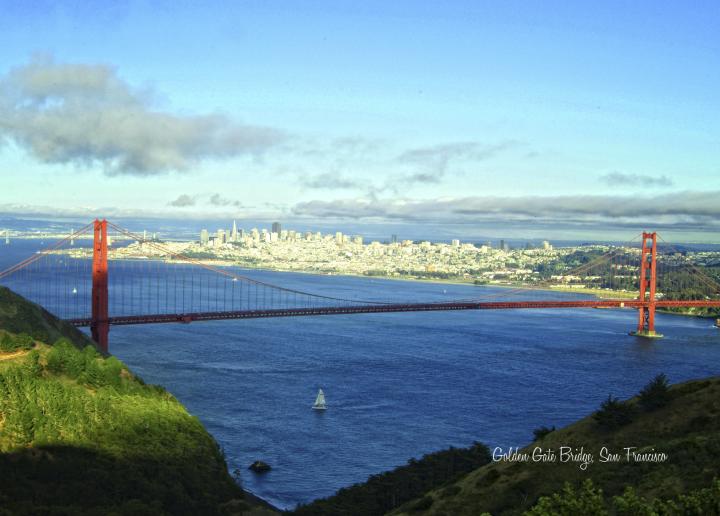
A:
(656, 393)
(588, 501)
(387, 491)
(87, 367)
(10, 342)
(422, 504)
(541, 432)
(613, 414)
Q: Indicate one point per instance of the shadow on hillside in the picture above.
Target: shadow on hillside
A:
(68, 480)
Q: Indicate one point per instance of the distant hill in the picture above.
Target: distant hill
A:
(80, 434)
(682, 421)
(686, 428)
(385, 491)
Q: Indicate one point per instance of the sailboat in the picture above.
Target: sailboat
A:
(320, 401)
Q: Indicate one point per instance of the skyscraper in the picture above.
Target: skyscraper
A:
(276, 228)
(234, 233)
(204, 237)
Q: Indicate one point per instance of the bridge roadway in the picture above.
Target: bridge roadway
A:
(384, 308)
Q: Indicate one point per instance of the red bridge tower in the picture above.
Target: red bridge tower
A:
(100, 326)
(648, 283)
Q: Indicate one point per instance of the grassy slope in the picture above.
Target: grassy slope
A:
(79, 434)
(18, 315)
(686, 429)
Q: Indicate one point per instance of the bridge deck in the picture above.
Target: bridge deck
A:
(368, 309)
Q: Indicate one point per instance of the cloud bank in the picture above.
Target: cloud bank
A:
(681, 208)
(87, 115)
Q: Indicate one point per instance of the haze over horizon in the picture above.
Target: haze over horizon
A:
(543, 120)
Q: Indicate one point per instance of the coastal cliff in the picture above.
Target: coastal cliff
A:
(81, 434)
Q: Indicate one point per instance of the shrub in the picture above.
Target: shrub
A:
(422, 504)
(541, 432)
(613, 414)
(32, 364)
(588, 501)
(10, 343)
(656, 393)
(7, 343)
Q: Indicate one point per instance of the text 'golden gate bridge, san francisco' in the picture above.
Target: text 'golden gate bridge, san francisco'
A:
(86, 293)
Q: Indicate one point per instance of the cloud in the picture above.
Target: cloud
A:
(620, 179)
(86, 115)
(679, 208)
(183, 201)
(329, 181)
(435, 160)
(219, 200)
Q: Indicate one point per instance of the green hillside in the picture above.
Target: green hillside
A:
(17, 315)
(80, 434)
(682, 422)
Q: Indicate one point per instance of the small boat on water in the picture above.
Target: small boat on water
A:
(320, 401)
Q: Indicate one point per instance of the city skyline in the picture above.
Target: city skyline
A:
(491, 119)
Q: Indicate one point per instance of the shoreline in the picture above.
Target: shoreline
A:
(595, 292)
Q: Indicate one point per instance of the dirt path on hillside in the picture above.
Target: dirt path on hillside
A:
(10, 356)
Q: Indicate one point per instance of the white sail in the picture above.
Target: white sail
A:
(320, 401)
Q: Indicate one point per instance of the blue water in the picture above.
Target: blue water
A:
(397, 385)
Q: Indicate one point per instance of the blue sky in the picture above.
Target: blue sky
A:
(575, 115)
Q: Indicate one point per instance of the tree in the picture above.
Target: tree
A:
(613, 414)
(656, 393)
(541, 432)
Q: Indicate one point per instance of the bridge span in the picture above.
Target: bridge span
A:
(89, 293)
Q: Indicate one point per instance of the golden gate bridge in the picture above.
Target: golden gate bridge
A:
(90, 293)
